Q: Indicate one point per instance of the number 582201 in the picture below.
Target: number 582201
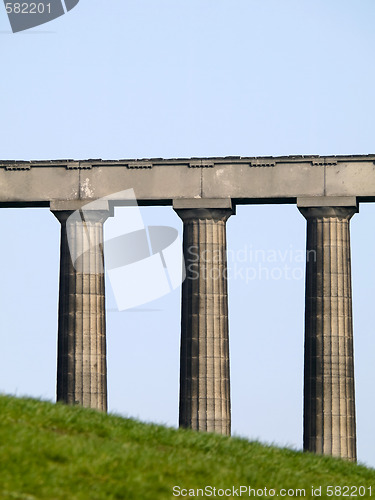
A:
(28, 8)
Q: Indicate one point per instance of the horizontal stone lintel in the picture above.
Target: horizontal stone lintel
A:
(311, 181)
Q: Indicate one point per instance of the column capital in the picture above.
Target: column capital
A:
(317, 207)
(94, 211)
(185, 203)
(343, 213)
(204, 208)
(216, 214)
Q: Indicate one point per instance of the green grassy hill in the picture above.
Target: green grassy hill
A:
(55, 452)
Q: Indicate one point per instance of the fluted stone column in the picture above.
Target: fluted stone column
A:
(204, 374)
(81, 366)
(329, 403)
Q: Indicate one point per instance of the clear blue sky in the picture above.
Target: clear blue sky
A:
(158, 78)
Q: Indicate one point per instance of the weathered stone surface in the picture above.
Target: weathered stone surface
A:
(204, 376)
(202, 191)
(245, 180)
(329, 402)
(81, 366)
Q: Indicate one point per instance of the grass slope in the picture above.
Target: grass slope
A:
(55, 452)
